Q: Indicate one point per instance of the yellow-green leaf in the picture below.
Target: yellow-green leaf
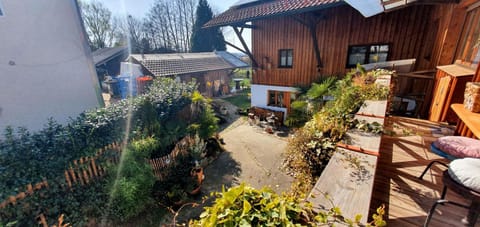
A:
(358, 217)
(246, 207)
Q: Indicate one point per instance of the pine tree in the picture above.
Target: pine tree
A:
(206, 39)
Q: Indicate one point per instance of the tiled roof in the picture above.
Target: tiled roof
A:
(183, 63)
(262, 9)
(104, 54)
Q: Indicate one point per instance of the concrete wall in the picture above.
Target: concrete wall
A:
(260, 98)
(46, 69)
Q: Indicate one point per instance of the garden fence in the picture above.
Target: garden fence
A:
(86, 170)
(81, 171)
(161, 165)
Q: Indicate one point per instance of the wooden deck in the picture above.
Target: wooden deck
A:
(402, 159)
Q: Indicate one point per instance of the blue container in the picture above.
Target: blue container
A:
(127, 86)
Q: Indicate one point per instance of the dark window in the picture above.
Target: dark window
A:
(1, 12)
(285, 58)
(275, 98)
(366, 54)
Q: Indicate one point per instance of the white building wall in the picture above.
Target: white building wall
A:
(46, 69)
(260, 96)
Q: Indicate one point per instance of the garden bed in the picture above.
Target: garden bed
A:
(347, 180)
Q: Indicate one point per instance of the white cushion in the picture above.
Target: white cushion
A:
(466, 171)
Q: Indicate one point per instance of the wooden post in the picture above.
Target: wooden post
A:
(42, 220)
(311, 24)
(89, 169)
(12, 199)
(94, 167)
(67, 179)
(247, 50)
(234, 46)
(29, 189)
(85, 175)
(72, 174)
(80, 177)
(38, 186)
(21, 195)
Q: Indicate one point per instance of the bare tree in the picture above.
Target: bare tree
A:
(137, 35)
(172, 22)
(97, 19)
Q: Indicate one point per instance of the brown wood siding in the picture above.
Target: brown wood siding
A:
(211, 83)
(476, 78)
(403, 29)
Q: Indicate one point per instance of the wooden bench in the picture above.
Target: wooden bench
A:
(347, 180)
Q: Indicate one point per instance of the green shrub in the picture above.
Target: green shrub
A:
(78, 204)
(309, 102)
(206, 124)
(133, 181)
(312, 146)
(246, 206)
(29, 157)
(245, 83)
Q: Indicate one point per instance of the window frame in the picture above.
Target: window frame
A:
(367, 53)
(286, 65)
(468, 49)
(276, 102)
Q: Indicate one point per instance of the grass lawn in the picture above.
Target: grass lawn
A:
(240, 99)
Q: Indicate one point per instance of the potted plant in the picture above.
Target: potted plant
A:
(196, 180)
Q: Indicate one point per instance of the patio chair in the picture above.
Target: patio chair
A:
(453, 147)
(462, 177)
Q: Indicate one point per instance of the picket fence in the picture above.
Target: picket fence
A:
(81, 171)
(161, 165)
(86, 170)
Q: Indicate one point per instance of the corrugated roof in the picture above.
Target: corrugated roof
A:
(262, 9)
(104, 54)
(184, 63)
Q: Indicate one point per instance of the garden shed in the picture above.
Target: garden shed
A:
(211, 70)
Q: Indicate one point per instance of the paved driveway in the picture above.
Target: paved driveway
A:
(255, 157)
(252, 156)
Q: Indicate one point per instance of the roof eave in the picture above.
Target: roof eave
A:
(120, 52)
(288, 13)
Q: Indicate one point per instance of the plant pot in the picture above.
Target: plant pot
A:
(196, 191)
(198, 177)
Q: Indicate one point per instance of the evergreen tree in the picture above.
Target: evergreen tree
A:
(207, 39)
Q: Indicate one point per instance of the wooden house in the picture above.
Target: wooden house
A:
(211, 70)
(296, 42)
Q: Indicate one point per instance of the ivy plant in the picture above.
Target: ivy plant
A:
(245, 206)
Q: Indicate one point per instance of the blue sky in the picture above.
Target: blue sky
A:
(139, 9)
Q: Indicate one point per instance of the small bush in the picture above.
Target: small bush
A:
(29, 157)
(206, 125)
(132, 185)
(246, 206)
(312, 146)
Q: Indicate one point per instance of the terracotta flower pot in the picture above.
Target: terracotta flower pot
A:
(197, 174)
